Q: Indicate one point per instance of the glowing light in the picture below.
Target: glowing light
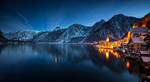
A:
(107, 55)
(115, 54)
(107, 39)
(128, 37)
(143, 21)
(106, 46)
(127, 64)
(144, 25)
(107, 51)
(135, 26)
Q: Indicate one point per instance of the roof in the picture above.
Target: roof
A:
(137, 40)
(139, 30)
(144, 52)
(145, 59)
(144, 33)
(148, 77)
(147, 38)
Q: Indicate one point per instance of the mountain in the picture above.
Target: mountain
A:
(74, 33)
(144, 21)
(57, 28)
(21, 35)
(117, 26)
(97, 25)
(49, 36)
(94, 28)
(2, 38)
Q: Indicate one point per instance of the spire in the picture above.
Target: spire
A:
(107, 39)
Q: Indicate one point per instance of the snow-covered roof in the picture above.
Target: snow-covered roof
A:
(139, 30)
(145, 59)
(144, 52)
(148, 77)
(137, 40)
(144, 33)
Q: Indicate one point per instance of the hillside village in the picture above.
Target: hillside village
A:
(134, 47)
(138, 49)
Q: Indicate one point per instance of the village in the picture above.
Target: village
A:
(134, 49)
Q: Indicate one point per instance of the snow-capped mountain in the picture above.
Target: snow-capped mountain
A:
(74, 33)
(40, 36)
(117, 26)
(21, 35)
(57, 28)
(49, 36)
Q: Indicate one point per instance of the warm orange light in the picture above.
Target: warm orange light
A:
(143, 21)
(107, 39)
(106, 52)
(105, 47)
(144, 25)
(108, 45)
(107, 55)
(115, 54)
(135, 26)
(128, 37)
(127, 64)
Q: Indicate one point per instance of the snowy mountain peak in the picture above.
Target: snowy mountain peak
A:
(76, 26)
(21, 35)
(57, 28)
(74, 31)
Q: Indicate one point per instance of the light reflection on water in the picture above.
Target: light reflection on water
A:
(43, 62)
(107, 51)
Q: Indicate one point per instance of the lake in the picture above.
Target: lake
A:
(61, 63)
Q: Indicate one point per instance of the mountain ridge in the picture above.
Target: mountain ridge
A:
(117, 26)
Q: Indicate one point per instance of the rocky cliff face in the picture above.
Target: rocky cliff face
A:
(117, 26)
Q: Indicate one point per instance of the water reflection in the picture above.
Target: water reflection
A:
(106, 52)
(62, 63)
(127, 64)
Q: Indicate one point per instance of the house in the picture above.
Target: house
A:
(147, 41)
(144, 53)
(140, 31)
(136, 44)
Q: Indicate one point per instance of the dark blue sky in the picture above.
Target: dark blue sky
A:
(18, 15)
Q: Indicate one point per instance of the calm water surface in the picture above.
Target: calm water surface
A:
(60, 63)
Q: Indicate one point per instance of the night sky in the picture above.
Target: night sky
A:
(39, 15)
